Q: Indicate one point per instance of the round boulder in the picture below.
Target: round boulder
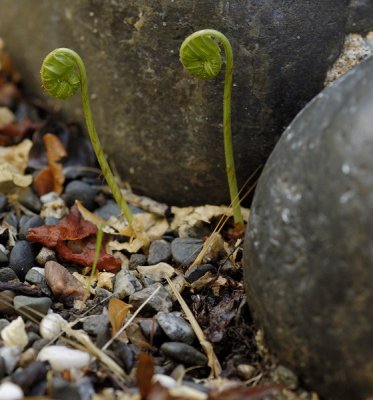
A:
(308, 257)
(161, 127)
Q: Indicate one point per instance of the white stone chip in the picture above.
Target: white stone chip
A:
(10, 391)
(61, 357)
(15, 334)
(51, 325)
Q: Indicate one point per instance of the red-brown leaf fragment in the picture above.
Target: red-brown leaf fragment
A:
(71, 227)
(74, 239)
(144, 374)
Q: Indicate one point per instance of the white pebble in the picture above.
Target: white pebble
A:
(15, 334)
(10, 391)
(11, 355)
(61, 357)
(51, 325)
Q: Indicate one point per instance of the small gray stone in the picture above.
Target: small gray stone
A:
(125, 284)
(36, 275)
(175, 327)
(24, 304)
(3, 201)
(159, 251)
(40, 344)
(10, 355)
(21, 258)
(78, 190)
(93, 323)
(63, 390)
(45, 255)
(103, 294)
(3, 323)
(161, 301)
(30, 200)
(185, 250)
(26, 222)
(11, 219)
(8, 275)
(183, 353)
(110, 209)
(198, 271)
(136, 260)
(3, 256)
(151, 329)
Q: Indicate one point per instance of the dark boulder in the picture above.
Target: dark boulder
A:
(161, 127)
(308, 251)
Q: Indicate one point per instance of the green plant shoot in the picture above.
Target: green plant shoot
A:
(62, 74)
(201, 56)
(99, 237)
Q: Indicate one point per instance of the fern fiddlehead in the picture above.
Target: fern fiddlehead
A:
(200, 55)
(62, 74)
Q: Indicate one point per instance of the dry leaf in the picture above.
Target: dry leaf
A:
(75, 240)
(13, 162)
(144, 374)
(118, 311)
(51, 178)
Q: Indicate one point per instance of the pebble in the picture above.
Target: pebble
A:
(161, 301)
(2, 368)
(30, 200)
(36, 276)
(62, 357)
(103, 294)
(175, 327)
(45, 255)
(8, 275)
(136, 260)
(110, 209)
(27, 357)
(11, 219)
(26, 222)
(3, 202)
(6, 302)
(3, 256)
(29, 376)
(24, 304)
(63, 389)
(151, 330)
(125, 284)
(185, 250)
(63, 284)
(10, 355)
(93, 323)
(51, 325)
(126, 354)
(3, 323)
(10, 391)
(157, 272)
(21, 258)
(159, 251)
(183, 353)
(78, 190)
(198, 271)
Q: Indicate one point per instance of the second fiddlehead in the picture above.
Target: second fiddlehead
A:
(62, 74)
(201, 56)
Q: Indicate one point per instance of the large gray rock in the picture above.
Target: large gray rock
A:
(160, 126)
(308, 251)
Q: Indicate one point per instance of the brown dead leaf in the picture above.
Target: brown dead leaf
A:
(144, 374)
(16, 129)
(247, 393)
(74, 240)
(118, 311)
(51, 178)
(13, 162)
